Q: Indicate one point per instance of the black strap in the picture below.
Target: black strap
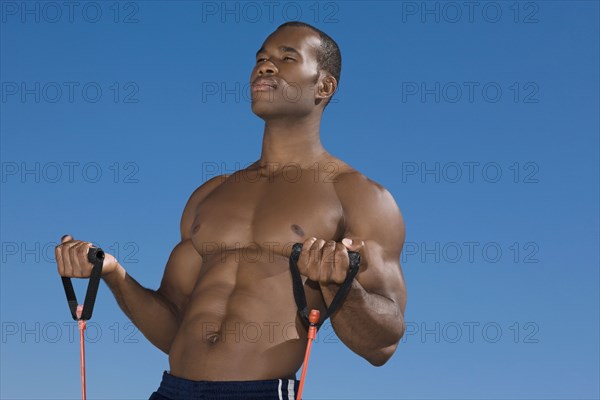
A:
(96, 257)
(339, 297)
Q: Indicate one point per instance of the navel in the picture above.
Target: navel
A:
(213, 338)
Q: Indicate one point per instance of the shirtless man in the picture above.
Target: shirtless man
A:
(225, 311)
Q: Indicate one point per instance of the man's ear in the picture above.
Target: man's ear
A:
(326, 88)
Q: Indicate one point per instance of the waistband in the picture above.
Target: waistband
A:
(176, 388)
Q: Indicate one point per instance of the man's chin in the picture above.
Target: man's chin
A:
(277, 109)
(265, 110)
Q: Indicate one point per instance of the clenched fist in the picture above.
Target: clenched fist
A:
(72, 260)
(326, 261)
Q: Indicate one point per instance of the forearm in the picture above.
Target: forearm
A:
(146, 309)
(369, 324)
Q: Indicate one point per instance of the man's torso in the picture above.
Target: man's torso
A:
(241, 321)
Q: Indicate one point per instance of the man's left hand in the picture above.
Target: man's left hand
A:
(326, 261)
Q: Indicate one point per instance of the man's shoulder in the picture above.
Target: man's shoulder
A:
(369, 207)
(350, 182)
(359, 193)
(199, 194)
(208, 186)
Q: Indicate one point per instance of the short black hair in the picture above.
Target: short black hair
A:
(329, 57)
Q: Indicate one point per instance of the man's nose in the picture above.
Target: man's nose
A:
(267, 67)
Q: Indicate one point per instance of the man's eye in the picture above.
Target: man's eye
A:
(288, 59)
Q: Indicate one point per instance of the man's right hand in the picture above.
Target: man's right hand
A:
(72, 260)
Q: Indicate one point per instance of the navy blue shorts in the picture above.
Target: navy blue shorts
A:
(174, 388)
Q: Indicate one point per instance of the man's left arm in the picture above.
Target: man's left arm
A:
(371, 319)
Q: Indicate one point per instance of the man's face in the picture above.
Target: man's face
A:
(285, 76)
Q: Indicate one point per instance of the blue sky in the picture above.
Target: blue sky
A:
(481, 120)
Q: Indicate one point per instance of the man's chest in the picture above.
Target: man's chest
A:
(267, 213)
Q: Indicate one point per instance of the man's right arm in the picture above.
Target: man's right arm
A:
(157, 314)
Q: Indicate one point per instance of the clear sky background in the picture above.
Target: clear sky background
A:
(480, 118)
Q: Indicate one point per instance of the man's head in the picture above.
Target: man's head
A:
(329, 57)
(297, 72)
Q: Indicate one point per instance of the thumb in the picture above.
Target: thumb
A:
(66, 238)
(353, 245)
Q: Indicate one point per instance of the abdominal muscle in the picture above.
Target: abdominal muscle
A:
(241, 322)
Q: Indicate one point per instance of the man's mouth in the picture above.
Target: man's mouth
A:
(262, 84)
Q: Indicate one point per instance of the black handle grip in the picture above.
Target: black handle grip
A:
(95, 254)
(96, 257)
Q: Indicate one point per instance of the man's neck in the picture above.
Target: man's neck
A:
(291, 141)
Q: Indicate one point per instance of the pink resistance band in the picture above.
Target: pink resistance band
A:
(81, 323)
(83, 312)
(312, 334)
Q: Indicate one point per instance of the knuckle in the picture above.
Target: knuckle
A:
(329, 258)
(308, 243)
(313, 251)
(83, 251)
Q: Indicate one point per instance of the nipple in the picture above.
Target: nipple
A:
(297, 230)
